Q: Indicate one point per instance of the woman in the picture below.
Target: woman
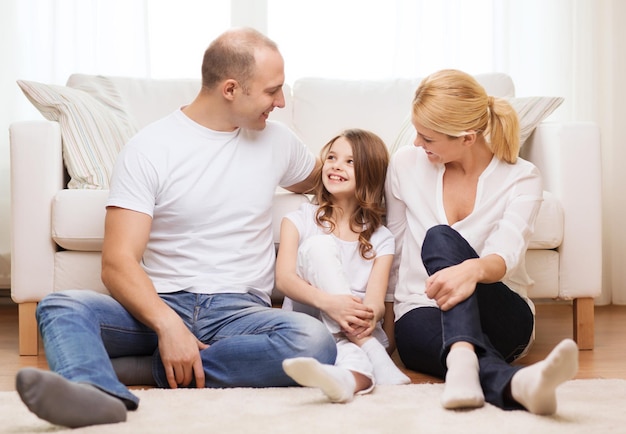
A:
(462, 210)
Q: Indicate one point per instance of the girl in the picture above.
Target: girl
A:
(333, 263)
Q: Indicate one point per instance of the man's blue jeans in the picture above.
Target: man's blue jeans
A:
(495, 319)
(248, 340)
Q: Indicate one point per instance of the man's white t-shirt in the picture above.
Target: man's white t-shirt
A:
(210, 195)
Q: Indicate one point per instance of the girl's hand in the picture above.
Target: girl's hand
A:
(349, 312)
(364, 332)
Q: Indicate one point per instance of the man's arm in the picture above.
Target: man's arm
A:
(126, 235)
(307, 185)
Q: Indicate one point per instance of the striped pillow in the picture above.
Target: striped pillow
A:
(531, 111)
(94, 126)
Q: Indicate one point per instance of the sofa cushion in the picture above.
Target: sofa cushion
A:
(549, 226)
(148, 99)
(324, 107)
(94, 126)
(78, 219)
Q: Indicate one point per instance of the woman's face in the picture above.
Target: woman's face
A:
(439, 147)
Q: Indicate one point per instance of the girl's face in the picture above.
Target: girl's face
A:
(439, 147)
(338, 169)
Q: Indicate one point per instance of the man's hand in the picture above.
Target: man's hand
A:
(180, 353)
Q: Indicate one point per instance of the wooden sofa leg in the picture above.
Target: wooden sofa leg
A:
(584, 322)
(28, 331)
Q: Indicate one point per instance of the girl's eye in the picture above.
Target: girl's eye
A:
(350, 161)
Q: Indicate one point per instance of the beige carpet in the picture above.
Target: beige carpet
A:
(585, 406)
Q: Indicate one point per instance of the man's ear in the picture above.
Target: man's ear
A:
(228, 89)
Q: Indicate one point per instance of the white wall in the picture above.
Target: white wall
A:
(7, 92)
(611, 115)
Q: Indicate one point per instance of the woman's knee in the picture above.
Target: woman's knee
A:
(444, 247)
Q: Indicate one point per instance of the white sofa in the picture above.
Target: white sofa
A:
(57, 232)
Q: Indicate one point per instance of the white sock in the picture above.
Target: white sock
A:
(462, 388)
(535, 386)
(338, 384)
(385, 370)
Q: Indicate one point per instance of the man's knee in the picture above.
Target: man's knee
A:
(317, 342)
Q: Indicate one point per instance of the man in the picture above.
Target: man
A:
(188, 255)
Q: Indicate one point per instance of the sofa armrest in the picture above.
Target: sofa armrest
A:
(568, 155)
(36, 176)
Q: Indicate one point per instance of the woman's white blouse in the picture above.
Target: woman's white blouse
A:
(508, 199)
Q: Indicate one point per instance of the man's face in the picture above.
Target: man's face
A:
(263, 92)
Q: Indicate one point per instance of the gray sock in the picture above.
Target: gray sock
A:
(62, 402)
(134, 371)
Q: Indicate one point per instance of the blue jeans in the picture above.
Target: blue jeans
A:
(495, 319)
(248, 340)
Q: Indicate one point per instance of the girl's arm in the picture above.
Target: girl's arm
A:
(347, 310)
(389, 326)
(376, 291)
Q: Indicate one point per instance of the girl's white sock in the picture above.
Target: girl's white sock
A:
(338, 384)
(385, 370)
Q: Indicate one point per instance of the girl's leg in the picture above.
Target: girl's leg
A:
(319, 263)
(352, 373)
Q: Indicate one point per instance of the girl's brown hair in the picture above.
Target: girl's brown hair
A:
(371, 159)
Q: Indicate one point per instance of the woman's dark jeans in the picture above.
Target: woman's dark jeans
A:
(496, 320)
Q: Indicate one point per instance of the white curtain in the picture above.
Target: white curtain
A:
(569, 48)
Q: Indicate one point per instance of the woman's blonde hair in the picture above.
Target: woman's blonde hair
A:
(371, 159)
(453, 103)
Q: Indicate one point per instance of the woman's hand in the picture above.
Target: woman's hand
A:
(450, 286)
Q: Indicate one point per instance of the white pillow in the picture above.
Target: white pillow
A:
(94, 126)
(531, 111)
